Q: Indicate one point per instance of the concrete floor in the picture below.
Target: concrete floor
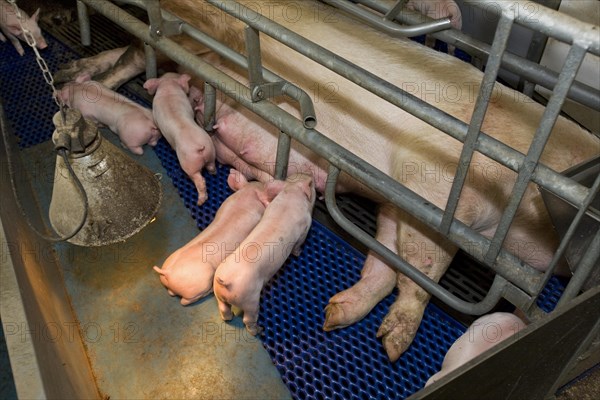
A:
(7, 384)
(586, 387)
(141, 342)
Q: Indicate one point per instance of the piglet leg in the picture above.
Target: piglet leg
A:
(376, 282)
(224, 309)
(15, 42)
(200, 184)
(251, 319)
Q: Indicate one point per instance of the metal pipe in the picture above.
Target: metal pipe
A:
(151, 65)
(391, 15)
(283, 156)
(536, 49)
(155, 18)
(255, 76)
(527, 69)
(507, 265)
(210, 106)
(494, 149)
(400, 265)
(547, 21)
(481, 105)
(584, 268)
(595, 189)
(307, 110)
(387, 26)
(84, 23)
(542, 134)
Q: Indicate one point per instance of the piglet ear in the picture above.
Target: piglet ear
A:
(150, 85)
(184, 80)
(36, 15)
(308, 187)
(272, 189)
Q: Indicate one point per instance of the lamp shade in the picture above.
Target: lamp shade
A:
(123, 196)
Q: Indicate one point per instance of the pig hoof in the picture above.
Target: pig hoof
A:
(254, 329)
(351, 305)
(226, 315)
(202, 198)
(335, 317)
(397, 332)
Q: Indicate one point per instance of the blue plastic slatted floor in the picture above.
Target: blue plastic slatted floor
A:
(348, 363)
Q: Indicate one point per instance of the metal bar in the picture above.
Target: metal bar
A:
(481, 105)
(542, 134)
(527, 69)
(255, 76)
(558, 254)
(387, 26)
(494, 149)
(400, 265)
(535, 355)
(210, 106)
(306, 106)
(84, 23)
(536, 49)
(151, 66)
(391, 15)
(584, 267)
(283, 156)
(155, 18)
(507, 265)
(547, 21)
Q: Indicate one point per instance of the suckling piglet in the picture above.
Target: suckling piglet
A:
(174, 115)
(133, 123)
(189, 271)
(284, 226)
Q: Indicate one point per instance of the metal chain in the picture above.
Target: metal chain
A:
(40, 60)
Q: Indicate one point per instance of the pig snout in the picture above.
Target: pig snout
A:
(41, 43)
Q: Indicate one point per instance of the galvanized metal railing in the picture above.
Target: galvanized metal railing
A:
(515, 280)
(528, 70)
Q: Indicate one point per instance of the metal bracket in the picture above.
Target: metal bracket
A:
(160, 27)
(261, 90)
